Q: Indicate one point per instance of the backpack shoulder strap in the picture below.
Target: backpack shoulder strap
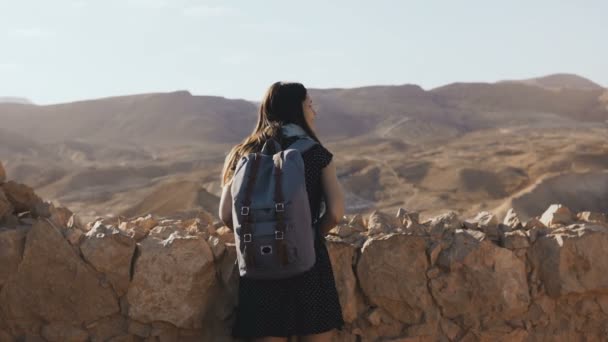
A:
(302, 144)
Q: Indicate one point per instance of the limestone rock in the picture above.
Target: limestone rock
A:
(12, 243)
(107, 327)
(592, 217)
(225, 301)
(2, 173)
(175, 272)
(515, 239)
(140, 329)
(53, 284)
(391, 272)
(449, 329)
(357, 222)
(556, 215)
(534, 223)
(21, 196)
(343, 231)
(487, 223)
(404, 216)
(415, 228)
(480, 280)
(9, 221)
(512, 221)
(225, 234)
(60, 216)
(140, 227)
(381, 223)
(75, 223)
(441, 224)
(110, 251)
(6, 207)
(197, 227)
(63, 332)
(573, 260)
(74, 236)
(342, 258)
(217, 247)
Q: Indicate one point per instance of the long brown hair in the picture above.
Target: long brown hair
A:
(281, 105)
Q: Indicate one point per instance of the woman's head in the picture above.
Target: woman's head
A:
(283, 103)
(286, 103)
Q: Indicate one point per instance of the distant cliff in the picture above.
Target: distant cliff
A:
(174, 278)
(9, 99)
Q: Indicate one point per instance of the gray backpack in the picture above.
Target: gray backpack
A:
(273, 230)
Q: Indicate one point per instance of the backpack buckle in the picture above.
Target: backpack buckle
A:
(278, 235)
(247, 237)
(245, 211)
(279, 207)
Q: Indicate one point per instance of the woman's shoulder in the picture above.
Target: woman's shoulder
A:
(319, 155)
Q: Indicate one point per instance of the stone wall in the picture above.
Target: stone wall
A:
(174, 278)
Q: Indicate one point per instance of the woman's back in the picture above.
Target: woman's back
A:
(307, 303)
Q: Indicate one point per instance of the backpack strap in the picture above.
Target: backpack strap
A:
(279, 210)
(245, 211)
(302, 144)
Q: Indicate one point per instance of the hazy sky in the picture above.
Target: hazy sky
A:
(66, 50)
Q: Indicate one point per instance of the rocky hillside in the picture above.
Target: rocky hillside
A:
(174, 278)
(465, 147)
(560, 81)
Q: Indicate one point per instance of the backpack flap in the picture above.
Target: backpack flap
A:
(302, 144)
(271, 146)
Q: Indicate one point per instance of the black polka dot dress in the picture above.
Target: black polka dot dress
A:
(304, 304)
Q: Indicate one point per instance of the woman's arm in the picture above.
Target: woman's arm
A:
(334, 199)
(225, 211)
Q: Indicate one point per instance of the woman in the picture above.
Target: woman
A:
(305, 305)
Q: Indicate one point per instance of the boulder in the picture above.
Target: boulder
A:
(515, 240)
(173, 278)
(357, 222)
(139, 227)
(110, 251)
(534, 223)
(572, 260)
(53, 284)
(21, 196)
(391, 271)
(64, 332)
(479, 280)
(406, 217)
(486, 222)
(6, 207)
(444, 223)
(12, 243)
(343, 257)
(557, 215)
(511, 221)
(381, 223)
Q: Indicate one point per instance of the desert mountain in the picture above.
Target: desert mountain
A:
(503, 102)
(560, 81)
(463, 146)
(406, 112)
(158, 119)
(11, 99)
